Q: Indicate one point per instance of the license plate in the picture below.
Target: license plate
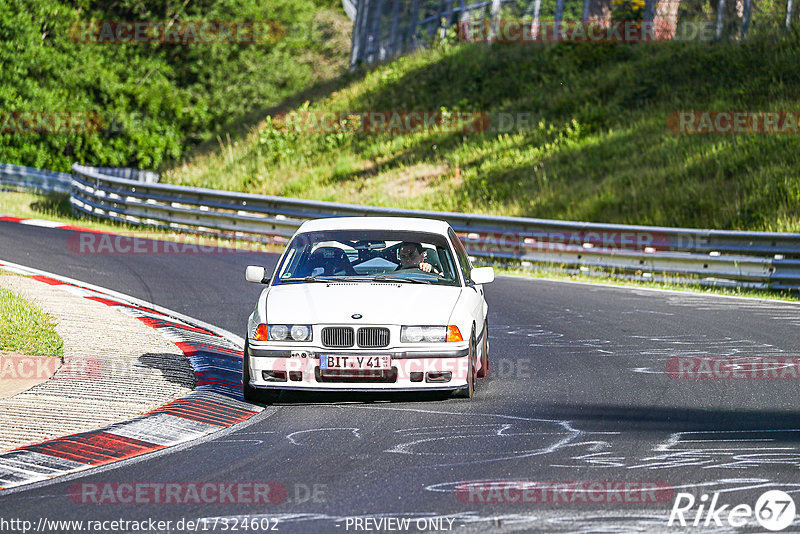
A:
(350, 361)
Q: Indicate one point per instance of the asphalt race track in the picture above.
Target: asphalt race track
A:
(579, 392)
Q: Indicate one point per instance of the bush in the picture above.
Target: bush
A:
(156, 101)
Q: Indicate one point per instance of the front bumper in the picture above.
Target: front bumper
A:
(430, 369)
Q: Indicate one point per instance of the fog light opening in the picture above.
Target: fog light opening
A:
(274, 376)
(439, 376)
(295, 376)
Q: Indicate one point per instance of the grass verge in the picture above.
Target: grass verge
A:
(25, 328)
(599, 277)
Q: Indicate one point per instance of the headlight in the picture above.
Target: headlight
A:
(278, 332)
(283, 332)
(423, 334)
(300, 332)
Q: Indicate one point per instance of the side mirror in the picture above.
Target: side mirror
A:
(256, 274)
(482, 275)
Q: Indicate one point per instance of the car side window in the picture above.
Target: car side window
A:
(461, 254)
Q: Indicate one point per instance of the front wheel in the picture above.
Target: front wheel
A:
(468, 391)
(484, 370)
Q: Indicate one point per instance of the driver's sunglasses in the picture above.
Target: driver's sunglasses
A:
(407, 253)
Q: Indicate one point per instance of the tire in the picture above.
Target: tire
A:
(250, 393)
(468, 391)
(484, 370)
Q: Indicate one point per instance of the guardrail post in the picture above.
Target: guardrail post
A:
(537, 8)
(357, 43)
(587, 4)
(720, 18)
(746, 10)
(375, 48)
(413, 29)
(448, 14)
(559, 15)
(495, 20)
(649, 11)
(395, 40)
(365, 29)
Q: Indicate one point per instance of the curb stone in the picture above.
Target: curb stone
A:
(114, 367)
(216, 402)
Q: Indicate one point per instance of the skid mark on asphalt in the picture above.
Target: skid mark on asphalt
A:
(728, 450)
(788, 312)
(726, 485)
(241, 437)
(528, 437)
(723, 457)
(559, 443)
(736, 351)
(654, 350)
(294, 440)
(681, 450)
(506, 437)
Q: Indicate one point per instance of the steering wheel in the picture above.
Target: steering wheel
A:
(433, 271)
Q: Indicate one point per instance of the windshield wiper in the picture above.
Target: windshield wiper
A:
(400, 279)
(323, 279)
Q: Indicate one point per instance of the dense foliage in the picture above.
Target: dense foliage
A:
(154, 100)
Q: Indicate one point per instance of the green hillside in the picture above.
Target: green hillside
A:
(598, 147)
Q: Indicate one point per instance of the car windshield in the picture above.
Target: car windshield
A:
(368, 256)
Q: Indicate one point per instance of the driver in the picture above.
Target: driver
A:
(410, 256)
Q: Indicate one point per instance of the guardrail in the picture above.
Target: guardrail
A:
(29, 178)
(749, 259)
(711, 257)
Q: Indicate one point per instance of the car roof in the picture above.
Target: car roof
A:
(412, 224)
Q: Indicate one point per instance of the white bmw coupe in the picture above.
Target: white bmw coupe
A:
(366, 304)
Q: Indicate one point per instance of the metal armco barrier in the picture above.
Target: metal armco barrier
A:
(29, 178)
(751, 259)
(711, 257)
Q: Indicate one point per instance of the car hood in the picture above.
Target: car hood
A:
(378, 303)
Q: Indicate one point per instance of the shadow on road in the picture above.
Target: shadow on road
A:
(675, 419)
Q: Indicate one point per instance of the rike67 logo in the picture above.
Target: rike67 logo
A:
(774, 510)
